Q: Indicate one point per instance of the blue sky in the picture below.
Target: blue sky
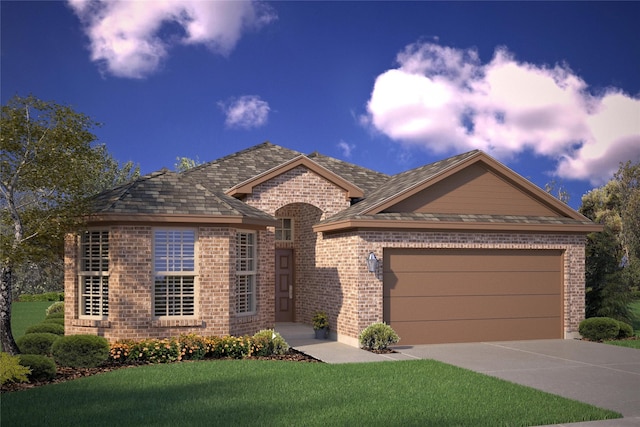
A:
(550, 89)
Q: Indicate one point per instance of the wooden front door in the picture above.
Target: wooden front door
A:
(284, 285)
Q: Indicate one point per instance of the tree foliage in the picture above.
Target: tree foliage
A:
(185, 163)
(49, 165)
(613, 256)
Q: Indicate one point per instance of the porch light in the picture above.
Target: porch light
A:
(372, 263)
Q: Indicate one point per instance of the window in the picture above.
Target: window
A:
(174, 265)
(94, 273)
(245, 272)
(284, 230)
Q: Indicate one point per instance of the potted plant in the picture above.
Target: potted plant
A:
(321, 325)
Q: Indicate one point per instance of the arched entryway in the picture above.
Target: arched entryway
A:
(295, 254)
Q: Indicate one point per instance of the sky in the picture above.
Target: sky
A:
(550, 89)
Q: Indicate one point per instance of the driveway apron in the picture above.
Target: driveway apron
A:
(602, 375)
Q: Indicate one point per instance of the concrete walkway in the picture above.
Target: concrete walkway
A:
(599, 374)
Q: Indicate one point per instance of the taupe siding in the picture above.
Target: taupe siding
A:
(466, 295)
(474, 190)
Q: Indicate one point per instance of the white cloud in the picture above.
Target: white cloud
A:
(245, 112)
(126, 37)
(346, 148)
(445, 100)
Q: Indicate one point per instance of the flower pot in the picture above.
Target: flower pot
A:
(322, 333)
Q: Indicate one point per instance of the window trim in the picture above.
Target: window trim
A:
(251, 274)
(174, 273)
(103, 272)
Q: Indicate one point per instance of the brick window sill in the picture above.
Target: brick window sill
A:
(177, 323)
(91, 323)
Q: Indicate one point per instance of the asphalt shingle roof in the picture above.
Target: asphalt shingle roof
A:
(201, 190)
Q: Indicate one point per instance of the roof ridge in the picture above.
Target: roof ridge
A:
(123, 189)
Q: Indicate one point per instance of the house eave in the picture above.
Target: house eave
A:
(406, 225)
(211, 220)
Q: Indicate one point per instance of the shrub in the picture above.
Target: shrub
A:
(11, 370)
(378, 336)
(599, 328)
(231, 347)
(193, 347)
(268, 342)
(320, 320)
(49, 296)
(55, 320)
(37, 343)
(56, 307)
(42, 367)
(155, 351)
(626, 330)
(119, 351)
(50, 328)
(55, 316)
(81, 351)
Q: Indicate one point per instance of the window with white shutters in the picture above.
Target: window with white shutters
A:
(174, 265)
(94, 274)
(245, 273)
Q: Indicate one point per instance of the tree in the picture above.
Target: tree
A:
(49, 166)
(560, 191)
(185, 163)
(612, 256)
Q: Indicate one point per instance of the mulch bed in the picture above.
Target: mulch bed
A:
(67, 374)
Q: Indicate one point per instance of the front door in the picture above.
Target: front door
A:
(284, 285)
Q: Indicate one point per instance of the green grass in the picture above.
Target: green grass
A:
(625, 343)
(635, 310)
(25, 314)
(259, 393)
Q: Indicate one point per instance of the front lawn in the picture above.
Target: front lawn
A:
(253, 392)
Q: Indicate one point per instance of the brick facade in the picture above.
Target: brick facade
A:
(131, 284)
(330, 269)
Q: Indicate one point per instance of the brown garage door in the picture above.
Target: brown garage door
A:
(470, 295)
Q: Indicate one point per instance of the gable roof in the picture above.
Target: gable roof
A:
(247, 186)
(370, 212)
(205, 193)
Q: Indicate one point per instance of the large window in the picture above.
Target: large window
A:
(284, 230)
(94, 273)
(174, 265)
(245, 272)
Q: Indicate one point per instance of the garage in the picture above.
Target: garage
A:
(470, 295)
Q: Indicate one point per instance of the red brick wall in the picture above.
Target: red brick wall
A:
(131, 288)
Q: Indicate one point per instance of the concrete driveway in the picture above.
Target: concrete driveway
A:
(603, 375)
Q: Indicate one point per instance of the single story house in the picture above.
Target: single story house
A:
(460, 250)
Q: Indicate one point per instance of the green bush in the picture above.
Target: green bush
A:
(81, 351)
(55, 320)
(57, 315)
(378, 336)
(268, 342)
(599, 328)
(626, 330)
(11, 370)
(229, 347)
(155, 351)
(56, 307)
(43, 368)
(37, 343)
(50, 328)
(192, 347)
(49, 296)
